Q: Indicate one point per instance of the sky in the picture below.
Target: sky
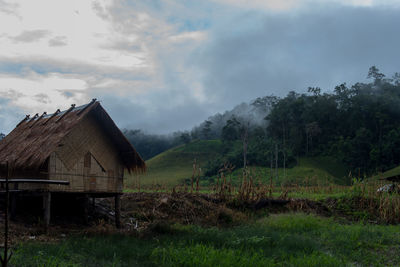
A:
(164, 66)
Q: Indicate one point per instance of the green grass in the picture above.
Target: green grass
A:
(308, 171)
(173, 166)
(388, 173)
(278, 240)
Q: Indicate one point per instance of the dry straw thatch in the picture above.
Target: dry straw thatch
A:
(32, 141)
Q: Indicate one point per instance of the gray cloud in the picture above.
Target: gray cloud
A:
(10, 94)
(8, 8)
(42, 98)
(30, 36)
(58, 41)
(272, 54)
(159, 118)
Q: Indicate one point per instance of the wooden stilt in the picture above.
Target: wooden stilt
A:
(13, 206)
(118, 211)
(86, 209)
(47, 206)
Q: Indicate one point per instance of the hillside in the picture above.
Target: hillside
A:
(173, 166)
(308, 171)
(388, 173)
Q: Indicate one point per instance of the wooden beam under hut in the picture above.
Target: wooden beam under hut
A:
(35, 181)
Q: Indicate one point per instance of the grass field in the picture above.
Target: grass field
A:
(277, 240)
(289, 239)
(388, 173)
(308, 171)
(171, 167)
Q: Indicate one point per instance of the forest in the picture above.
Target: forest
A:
(358, 125)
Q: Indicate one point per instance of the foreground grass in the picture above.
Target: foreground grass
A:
(279, 240)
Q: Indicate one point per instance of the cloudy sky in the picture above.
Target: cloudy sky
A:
(168, 65)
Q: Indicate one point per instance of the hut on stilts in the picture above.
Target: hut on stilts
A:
(81, 145)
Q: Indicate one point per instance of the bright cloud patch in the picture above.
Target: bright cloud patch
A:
(64, 30)
(37, 93)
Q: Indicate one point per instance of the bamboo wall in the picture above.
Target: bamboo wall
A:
(87, 175)
(87, 159)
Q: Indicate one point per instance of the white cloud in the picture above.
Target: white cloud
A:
(75, 21)
(36, 93)
(189, 36)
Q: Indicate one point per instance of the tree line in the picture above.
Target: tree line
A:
(358, 125)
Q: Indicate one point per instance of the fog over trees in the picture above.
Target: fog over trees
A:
(358, 125)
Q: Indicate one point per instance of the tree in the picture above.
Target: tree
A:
(316, 91)
(2, 136)
(206, 129)
(230, 132)
(373, 72)
(312, 129)
(264, 103)
(396, 79)
(185, 137)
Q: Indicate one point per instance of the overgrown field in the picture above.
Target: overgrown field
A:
(278, 240)
(313, 214)
(175, 167)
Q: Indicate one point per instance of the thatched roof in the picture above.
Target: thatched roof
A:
(33, 140)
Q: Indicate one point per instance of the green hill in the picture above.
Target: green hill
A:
(388, 173)
(171, 167)
(308, 171)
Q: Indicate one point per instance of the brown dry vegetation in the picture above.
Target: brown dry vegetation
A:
(225, 206)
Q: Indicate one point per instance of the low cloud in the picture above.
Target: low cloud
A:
(58, 41)
(8, 8)
(30, 36)
(42, 98)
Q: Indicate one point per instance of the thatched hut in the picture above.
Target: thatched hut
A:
(81, 145)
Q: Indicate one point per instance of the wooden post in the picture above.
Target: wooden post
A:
(86, 208)
(13, 206)
(47, 206)
(13, 203)
(6, 257)
(117, 211)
